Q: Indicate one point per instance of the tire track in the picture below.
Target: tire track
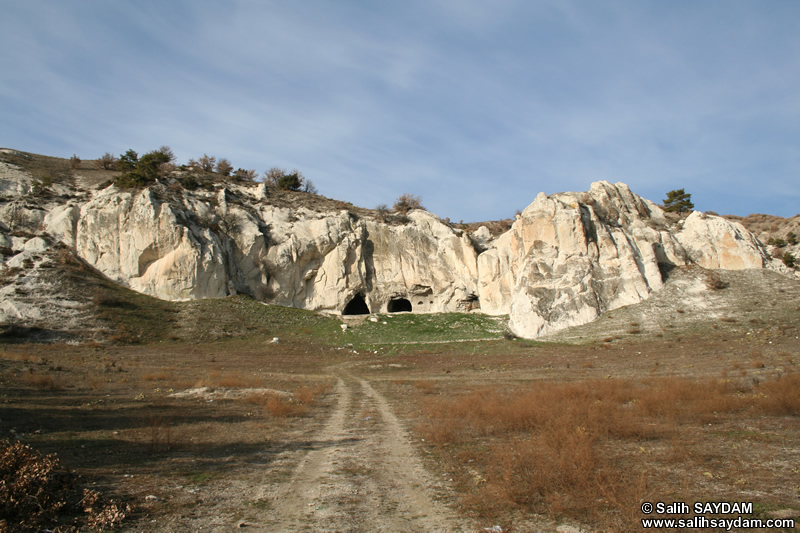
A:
(361, 474)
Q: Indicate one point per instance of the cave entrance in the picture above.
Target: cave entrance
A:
(356, 306)
(399, 305)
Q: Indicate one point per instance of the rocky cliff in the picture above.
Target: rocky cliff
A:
(566, 259)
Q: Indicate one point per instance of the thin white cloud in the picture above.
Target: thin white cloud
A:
(473, 106)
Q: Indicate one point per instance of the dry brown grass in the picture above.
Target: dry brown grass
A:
(22, 357)
(780, 397)
(425, 386)
(286, 406)
(43, 381)
(571, 449)
(283, 407)
(307, 395)
(160, 375)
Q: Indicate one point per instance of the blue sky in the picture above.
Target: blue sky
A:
(474, 105)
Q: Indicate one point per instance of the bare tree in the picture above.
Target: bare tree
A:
(207, 162)
(107, 161)
(308, 186)
(167, 151)
(224, 167)
(272, 176)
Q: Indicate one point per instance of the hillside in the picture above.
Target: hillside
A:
(186, 233)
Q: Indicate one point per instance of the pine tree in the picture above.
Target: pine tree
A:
(678, 201)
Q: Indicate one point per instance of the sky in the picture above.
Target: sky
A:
(476, 106)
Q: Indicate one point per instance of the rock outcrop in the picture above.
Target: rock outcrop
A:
(567, 258)
(571, 256)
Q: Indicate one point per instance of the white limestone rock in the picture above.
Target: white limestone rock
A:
(714, 242)
(567, 258)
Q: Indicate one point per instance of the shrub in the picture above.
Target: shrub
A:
(290, 182)
(74, 162)
(382, 212)
(37, 493)
(791, 238)
(308, 186)
(224, 167)
(245, 175)
(41, 187)
(207, 162)
(713, 282)
(107, 162)
(272, 176)
(139, 172)
(33, 487)
(43, 381)
(167, 151)
(281, 407)
(189, 182)
(780, 243)
(789, 260)
(407, 202)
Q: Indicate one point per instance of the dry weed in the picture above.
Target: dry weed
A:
(159, 433)
(37, 493)
(43, 381)
(780, 397)
(560, 448)
(425, 386)
(282, 407)
(157, 376)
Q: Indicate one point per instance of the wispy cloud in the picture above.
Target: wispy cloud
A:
(475, 106)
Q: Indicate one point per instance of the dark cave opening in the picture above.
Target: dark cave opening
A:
(356, 306)
(399, 305)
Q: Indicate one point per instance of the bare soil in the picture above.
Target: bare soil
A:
(357, 459)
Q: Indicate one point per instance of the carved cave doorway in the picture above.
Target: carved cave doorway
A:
(399, 305)
(356, 306)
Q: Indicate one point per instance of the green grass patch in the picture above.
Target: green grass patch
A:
(198, 478)
(427, 328)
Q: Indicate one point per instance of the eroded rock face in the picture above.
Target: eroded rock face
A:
(568, 257)
(207, 247)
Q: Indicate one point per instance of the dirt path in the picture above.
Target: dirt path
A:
(358, 473)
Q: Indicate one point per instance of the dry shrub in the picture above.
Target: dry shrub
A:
(425, 386)
(307, 395)
(107, 299)
(560, 448)
(283, 407)
(37, 492)
(679, 400)
(561, 471)
(43, 381)
(33, 488)
(159, 432)
(103, 513)
(780, 397)
(24, 357)
(157, 376)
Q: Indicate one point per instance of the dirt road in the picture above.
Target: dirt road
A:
(358, 472)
